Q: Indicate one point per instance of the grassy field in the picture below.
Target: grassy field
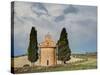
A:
(90, 62)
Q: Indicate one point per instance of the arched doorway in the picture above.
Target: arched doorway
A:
(47, 62)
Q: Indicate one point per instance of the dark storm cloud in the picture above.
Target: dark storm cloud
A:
(39, 9)
(70, 9)
(59, 18)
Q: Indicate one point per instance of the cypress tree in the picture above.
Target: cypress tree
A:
(33, 46)
(64, 51)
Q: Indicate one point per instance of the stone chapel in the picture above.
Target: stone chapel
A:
(47, 52)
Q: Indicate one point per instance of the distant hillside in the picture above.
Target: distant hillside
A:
(18, 56)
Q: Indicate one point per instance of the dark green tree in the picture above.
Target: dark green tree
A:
(64, 51)
(33, 46)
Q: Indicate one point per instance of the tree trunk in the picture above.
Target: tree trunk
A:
(32, 64)
(64, 62)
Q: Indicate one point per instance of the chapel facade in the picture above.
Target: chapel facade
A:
(47, 52)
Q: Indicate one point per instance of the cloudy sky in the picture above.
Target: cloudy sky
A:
(80, 23)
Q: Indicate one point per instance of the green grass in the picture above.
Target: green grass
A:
(91, 63)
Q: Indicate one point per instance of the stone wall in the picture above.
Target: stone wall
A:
(47, 57)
